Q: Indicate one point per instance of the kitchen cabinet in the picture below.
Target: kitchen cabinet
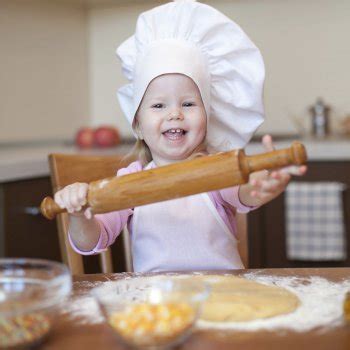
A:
(24, 232)
(266, 225)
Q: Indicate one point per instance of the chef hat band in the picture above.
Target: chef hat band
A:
(171, 56)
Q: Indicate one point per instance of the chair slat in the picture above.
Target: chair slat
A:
(66, 169)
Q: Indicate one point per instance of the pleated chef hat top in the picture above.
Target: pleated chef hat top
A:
(194, 39)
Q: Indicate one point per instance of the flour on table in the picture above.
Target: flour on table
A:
(321, 304)
(82, 308)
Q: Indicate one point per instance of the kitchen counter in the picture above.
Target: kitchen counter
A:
(29, 161)
(330, 149)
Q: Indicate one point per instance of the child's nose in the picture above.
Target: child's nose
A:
(175, 115)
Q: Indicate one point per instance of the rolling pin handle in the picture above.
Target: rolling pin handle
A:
(298, 153)
(49, 208)
(294, 155)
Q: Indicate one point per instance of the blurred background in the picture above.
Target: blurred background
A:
(59, 74)
(59, 70)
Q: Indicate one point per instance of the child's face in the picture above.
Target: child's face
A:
(171, 118)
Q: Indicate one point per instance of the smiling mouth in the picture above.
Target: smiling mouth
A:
(175, 135)
(175, 132)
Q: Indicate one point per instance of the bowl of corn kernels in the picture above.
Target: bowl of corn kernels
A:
(30, 289)
(151, 312)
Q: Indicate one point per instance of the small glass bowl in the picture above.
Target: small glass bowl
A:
(29, 291)
(151, 312)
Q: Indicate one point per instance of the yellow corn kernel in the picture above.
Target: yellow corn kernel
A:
(152, 320)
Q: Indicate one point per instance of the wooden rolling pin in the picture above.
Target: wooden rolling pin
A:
(181, 179)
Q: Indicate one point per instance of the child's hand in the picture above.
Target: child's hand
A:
(263, 185)
(73, 197)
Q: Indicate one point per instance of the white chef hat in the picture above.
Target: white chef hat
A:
(200, 42)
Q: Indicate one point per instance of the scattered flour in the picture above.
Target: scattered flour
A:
(321, 304)
(82, 308)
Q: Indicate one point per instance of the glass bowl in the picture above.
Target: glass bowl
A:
(151, 312)
(29, 291)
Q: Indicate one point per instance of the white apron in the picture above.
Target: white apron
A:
(182, 234)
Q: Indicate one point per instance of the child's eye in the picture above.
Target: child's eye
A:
(188, 104)
(158, 105)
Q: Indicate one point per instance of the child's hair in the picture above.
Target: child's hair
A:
(141, 152)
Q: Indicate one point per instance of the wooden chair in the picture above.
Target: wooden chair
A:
(66, 169)
(242, 230)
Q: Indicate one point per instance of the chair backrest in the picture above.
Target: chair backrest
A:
(66, 169)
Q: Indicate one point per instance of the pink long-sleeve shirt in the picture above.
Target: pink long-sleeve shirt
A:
(226, 202)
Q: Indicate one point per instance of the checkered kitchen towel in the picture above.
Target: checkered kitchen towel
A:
(315, 221)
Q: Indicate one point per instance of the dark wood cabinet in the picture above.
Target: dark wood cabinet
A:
(266, 225)
(25, 233)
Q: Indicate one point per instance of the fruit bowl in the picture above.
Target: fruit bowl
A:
(29, 291)
(150, 312)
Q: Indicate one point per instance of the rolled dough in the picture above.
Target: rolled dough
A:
(235, 299)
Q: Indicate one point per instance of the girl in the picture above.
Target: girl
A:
(195, 88)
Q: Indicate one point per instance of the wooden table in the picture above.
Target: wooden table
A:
(69, 335)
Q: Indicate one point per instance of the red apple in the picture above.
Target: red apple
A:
(106, 136)
(84, 138)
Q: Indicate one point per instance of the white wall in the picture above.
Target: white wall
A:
(305, 45)
(43, 69)
(108, 27)
(58, 68)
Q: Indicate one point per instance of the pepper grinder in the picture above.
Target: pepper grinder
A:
(320, 119)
